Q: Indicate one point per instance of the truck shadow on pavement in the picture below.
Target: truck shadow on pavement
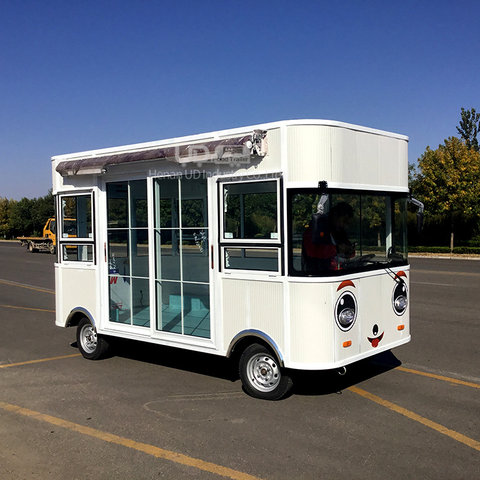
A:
(306, 383)
(170, 357)
(334, 381)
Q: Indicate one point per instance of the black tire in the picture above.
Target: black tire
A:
(52, 249)
(91, 345)
(30, 247)
(261, 375)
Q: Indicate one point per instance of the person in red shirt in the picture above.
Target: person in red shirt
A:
(325, 240)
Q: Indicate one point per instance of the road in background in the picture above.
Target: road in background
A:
(156, 412)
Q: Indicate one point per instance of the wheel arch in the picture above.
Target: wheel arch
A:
(77, 314)
(247, 337)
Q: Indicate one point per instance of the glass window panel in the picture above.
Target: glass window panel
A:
(118, 252)
(168, 254)
(138, 201)
(264, 259)
(196, 310)
(232, 217)
(120, 299)
(169, 306)
(139, 242)
(250, 210)
(77, 253)
(166, 203)
(77, 216)
(373, 224)
(193, 213)
(195, 255)
(117, 205)
(182, 308)
(140, 302)
(194, 194)
(346, 231)
(193, 187)
(399, 243)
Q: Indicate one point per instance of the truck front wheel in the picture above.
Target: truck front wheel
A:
(91, 345)
(261, 375)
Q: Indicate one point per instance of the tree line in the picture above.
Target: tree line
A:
(447, 181)
(25, 217)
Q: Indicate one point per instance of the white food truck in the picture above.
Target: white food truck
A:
(282, 245)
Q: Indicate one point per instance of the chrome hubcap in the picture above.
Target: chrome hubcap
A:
(88, 338)
(264, 372)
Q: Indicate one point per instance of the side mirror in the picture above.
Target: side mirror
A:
(420, 211)
(419, 222)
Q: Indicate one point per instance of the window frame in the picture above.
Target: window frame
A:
(75, 241)
(252, 241)
(291, 192)
(128, 230)
(250, 248)
(249, 243)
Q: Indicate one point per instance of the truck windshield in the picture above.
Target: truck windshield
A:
(338, 231)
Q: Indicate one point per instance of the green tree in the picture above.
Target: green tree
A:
(42, 209)
(4, 217)
(448, 182)
(21, 218)
(469, 127)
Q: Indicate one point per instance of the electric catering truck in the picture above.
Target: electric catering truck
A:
(282, 245)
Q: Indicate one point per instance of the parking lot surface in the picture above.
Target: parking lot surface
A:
(154, 412)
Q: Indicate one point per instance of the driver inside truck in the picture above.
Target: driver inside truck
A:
(326, 245)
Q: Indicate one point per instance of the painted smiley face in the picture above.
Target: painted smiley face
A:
(375, 340)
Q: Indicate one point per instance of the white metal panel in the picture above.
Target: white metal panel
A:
(75, 287)
(343, 155)
(376, 318)
(376, 309)
(346, 163)
(59, 316)
(308, 153)
(249, 304)
(311, 324)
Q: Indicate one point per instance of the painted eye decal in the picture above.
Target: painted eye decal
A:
(346, 311)
(400, 295)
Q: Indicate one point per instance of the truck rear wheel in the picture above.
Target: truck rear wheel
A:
(261, 375)
(31, 248)
(91, 345)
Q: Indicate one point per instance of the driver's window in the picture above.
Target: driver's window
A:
(326, 230)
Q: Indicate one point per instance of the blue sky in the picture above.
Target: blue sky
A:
(83, 74)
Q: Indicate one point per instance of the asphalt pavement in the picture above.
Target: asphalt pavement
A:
(154, 412)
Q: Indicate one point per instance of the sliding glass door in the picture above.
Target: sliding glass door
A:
(181, 256)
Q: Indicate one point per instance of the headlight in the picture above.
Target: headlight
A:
(346, 311)
(400, 297)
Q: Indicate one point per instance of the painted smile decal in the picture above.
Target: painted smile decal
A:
(375, 340)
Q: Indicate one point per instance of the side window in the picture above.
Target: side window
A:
(250, 226)
(76, 242)
(250, 210)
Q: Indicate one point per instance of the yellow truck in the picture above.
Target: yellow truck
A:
(47, 243)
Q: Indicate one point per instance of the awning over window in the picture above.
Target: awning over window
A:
(210, 151)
